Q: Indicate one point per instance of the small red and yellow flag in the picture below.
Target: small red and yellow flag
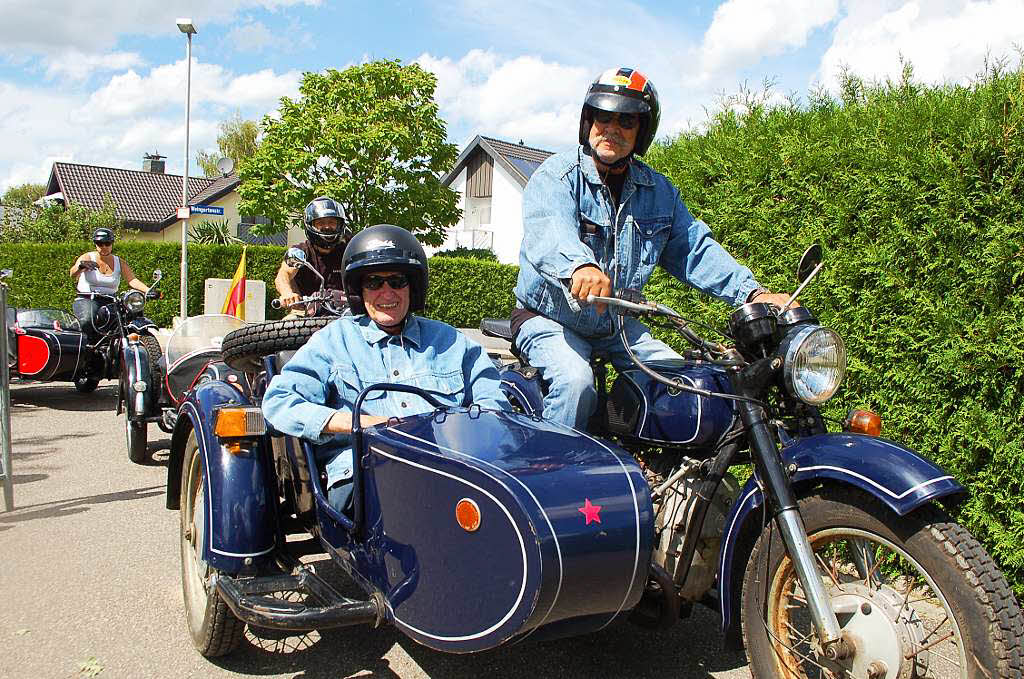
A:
(234, 305)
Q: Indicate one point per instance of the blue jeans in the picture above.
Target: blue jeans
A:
(563, 358)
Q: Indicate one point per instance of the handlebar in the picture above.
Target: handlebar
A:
(302, 301)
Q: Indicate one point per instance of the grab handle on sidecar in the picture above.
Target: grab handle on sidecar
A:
(357, 442)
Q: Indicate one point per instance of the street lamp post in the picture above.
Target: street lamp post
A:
(188, 28)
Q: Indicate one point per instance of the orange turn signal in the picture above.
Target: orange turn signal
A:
(863, 422)
(133, 337)
(235, 422)
(467, 513)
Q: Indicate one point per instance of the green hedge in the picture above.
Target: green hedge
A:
(462, 291)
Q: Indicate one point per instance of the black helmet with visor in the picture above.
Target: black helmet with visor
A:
(325, 207)
(385, 247)
(623, 90)
(103, 235)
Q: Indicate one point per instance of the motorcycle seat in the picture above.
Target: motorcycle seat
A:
(282, 357)
(497, 327)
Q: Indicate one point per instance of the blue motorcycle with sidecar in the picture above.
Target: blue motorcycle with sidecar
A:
(470, 528)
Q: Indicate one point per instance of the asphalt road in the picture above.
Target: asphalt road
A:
(90, 585)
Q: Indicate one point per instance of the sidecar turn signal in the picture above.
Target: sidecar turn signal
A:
(863, 422)
(467, 513)
(236, 422)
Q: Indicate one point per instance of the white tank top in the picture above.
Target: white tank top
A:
(104, 284)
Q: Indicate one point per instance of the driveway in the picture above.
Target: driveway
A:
(89, 582)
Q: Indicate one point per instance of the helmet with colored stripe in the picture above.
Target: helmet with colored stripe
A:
(385, 247)
(623, 90)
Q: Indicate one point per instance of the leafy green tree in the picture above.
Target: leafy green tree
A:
(237, 140)
(23, 195)
(369, 137)
(57, 224)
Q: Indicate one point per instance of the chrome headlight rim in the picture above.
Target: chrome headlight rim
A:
(133, 301)
(794, 344)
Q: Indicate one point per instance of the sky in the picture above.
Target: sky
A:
(103, 81)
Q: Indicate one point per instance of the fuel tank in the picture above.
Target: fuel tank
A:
(484, 526)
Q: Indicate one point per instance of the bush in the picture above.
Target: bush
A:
(469, 253)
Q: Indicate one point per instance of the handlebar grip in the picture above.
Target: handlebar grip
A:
(275, 303)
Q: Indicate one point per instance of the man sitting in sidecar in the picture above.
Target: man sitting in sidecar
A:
(386, 276)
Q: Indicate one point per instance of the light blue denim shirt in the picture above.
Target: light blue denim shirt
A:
(350, 354)
(652, 226)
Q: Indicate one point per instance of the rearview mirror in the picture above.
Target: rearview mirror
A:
(157, 275)
(295, 257)
(808, 263)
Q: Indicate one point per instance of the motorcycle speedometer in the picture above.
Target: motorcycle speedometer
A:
(815, 363)
(134, 301)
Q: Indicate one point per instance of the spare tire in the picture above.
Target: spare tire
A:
(242, 349)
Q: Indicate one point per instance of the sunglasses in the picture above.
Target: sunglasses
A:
(397, 281)
(626, 121)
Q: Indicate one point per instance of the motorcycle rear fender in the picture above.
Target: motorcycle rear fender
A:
(241, 516)
(135, 359)
(899, 477)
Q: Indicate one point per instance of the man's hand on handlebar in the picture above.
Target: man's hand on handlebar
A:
(590, 280)
(288, 300)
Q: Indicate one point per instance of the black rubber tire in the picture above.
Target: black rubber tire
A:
(135, 435)
(982, 604)
(213, 628)
(153, 350)
(243, 348)
(86, 385)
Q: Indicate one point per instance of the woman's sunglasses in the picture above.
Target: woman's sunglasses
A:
(397, 281)
(627, 121)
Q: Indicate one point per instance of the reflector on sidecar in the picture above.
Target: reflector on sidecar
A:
(467, 513)
(863, 422)
(236, 422)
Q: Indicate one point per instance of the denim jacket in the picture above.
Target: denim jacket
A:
(567, 222)
(329, 371)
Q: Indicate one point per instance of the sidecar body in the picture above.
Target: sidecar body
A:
(468, 528)
(44, 345)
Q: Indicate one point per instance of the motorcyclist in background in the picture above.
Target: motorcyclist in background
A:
(327, 234)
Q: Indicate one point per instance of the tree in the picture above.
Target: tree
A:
(237, 141)
(23, 195)
(57, 224)
(370, 138)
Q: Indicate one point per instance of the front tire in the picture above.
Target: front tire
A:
(243, 348)
(918, 586)
(213, 627)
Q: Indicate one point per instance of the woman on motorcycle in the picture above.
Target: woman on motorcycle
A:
(99, 273)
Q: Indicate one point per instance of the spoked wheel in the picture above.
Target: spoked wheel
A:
(916, 596)
(213, 627)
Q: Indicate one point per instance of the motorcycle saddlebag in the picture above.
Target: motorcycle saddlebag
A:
(649, 411)
(491, 526)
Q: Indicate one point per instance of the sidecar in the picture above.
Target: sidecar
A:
(153, 382)
(467, 528)
(46, 345)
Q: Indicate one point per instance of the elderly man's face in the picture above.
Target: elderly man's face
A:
(327, 224)
(386, 306)
(610, 141)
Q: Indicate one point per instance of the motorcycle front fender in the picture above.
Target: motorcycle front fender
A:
(140, 324)
(136, 363)
(897, 476)
(240, 507)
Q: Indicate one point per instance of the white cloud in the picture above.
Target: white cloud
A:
(522, 98)
(944, 40)
(744, 32)
(54, 26)
(76, 65)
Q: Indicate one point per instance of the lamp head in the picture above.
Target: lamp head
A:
(186, 26)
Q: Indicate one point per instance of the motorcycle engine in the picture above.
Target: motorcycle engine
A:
(675, 513)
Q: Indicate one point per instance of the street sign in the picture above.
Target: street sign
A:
(207, 210)
(183, 213)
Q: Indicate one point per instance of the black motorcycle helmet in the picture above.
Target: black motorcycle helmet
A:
(103, 235)
(325, 207)
(623, 90)
(385, 247)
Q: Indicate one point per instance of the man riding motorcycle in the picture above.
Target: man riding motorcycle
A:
(597, 219)
(327, 234)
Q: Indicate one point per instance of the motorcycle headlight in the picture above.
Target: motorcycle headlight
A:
(815, 364)
(133, 301)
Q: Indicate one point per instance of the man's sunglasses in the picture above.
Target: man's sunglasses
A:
(397, 281)
(627, 121)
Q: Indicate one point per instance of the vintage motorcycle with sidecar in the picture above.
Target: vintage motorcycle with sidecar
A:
(49, 345)
(469, 528)
(153, 383)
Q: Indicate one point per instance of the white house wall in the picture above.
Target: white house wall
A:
(506, 216)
